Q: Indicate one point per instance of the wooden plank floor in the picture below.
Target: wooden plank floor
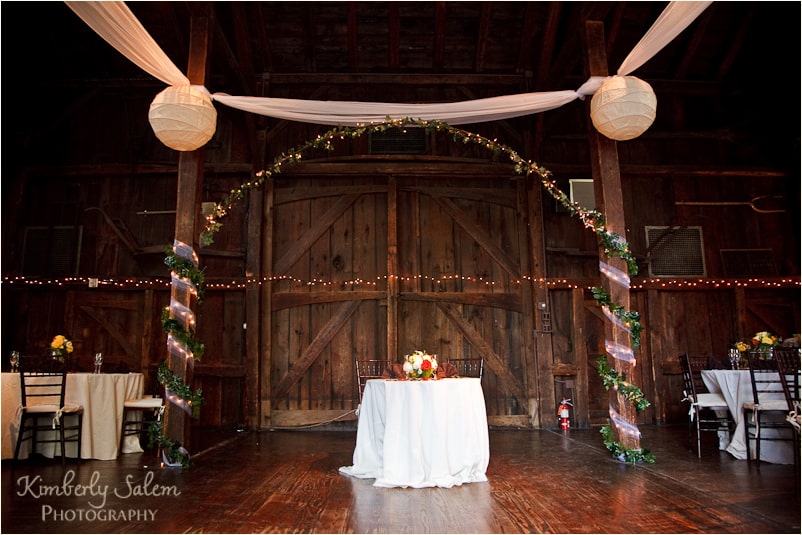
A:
(288, 482)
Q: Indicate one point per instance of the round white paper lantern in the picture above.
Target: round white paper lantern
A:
(623, 108)
(183, 117)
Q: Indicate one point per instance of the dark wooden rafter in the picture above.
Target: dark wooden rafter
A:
(310, 40)
(482, 36)
(242, 62)
(262, 40)
(394, 35)
(692, 49)
(736, 44)
(438, 47)
(353, 38)
(615, 26)
(527, 47)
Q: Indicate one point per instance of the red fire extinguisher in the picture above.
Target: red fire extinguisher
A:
(564, 414)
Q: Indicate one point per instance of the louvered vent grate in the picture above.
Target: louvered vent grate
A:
(676, 252)
(748, 262)
(399, 141)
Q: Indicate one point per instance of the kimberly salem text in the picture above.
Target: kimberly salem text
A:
(51, 514)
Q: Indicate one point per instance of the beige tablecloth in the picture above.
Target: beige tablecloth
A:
(421, 433)
(102, 396)
(736, 388)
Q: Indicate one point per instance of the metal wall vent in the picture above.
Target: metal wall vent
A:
(748, 262)
(676, 252)
(399, 141)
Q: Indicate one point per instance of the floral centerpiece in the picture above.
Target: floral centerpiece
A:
(764, 341)
(420, 365)
(60, 346)
(761, 342)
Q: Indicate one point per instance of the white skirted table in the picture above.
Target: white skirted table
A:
(102, 396)
(421, 433)
(736, 388)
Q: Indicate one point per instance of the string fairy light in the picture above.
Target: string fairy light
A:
(129, 283)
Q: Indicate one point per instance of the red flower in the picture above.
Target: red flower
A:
(426, 365)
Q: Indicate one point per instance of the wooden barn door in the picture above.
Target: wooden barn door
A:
(379, 266)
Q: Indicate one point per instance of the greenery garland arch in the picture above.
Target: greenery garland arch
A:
(612, 243)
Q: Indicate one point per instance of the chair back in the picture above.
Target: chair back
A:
(766, 384)
(468, 367)
(689, 382)
(41, 386)
(369, 369)
(697, 364)
(789, 368)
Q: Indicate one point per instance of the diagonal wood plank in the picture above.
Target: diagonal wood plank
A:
(478, 234)
(320, 226)
(97, 314)
(508, 381)
(311, 353)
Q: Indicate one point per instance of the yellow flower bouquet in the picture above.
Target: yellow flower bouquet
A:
(60, 346)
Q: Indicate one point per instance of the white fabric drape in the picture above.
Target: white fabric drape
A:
(117, 25)
(674, 18)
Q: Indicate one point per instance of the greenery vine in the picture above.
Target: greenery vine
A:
(186, 269)
(629, 318)
(174, 327)
(612, 243)
(172, 450)
(176, 386)
(623, 453)
(618, 382)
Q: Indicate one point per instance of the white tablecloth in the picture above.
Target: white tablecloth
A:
(421, 433)
(102, 396)
(736, 387)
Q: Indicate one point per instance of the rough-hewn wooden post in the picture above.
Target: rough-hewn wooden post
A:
(609, 200)
(187, 227)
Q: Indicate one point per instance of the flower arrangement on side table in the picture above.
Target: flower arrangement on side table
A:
(764, 341)
(761, 342)
(420, 365)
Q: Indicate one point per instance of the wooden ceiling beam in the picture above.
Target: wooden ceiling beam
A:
(353, 39)
(439, 35)
(482, 36)
(394, 35)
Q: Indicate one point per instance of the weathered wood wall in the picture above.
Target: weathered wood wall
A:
(280, 351)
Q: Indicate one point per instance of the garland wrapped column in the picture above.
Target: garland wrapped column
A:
(622, 432)
(183, 294)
